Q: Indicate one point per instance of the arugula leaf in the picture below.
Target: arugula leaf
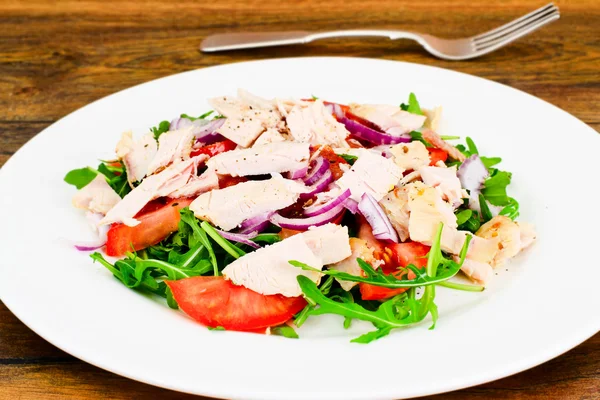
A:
(80, 177)
(304, 314)
(472, 224)
(285, 331)
(187, 216)
(116, 176)
(447, 137)
(203, 116)
(463, 216)
(229, 247)
(415, 135)
(412, 106)
(511, 210)
(472, 148)
(350, 159)
(494, 189)
(463, 287)
(216, 328)
(268, 238)
(490, 161)
(162, 127)
(486, 214)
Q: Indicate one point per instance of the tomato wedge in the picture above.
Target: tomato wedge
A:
(214, 301)
(157, 221)
(436, 155)
(403, 254)
(215, 148)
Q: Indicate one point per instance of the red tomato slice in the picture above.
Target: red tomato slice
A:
(215, 148)
(436, 155)
(157, 221)
(403, 254)
(214, 301)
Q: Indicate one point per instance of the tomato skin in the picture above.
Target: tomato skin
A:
(403, 254)
(228, 180)
(214, 301)
(373, 292)
(285, 233)
(157, 221)
(334, 161)
(436, 155)
(215, 148)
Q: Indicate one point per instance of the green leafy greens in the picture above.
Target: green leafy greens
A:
(350, 159)
(113, 171)
(397, 312)
(413, 105)
(162, 127)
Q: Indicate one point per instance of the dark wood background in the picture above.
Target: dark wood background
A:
(58, 56)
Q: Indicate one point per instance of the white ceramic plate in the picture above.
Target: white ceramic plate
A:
(541, 305)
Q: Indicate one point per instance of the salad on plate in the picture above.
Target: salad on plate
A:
(263, 213)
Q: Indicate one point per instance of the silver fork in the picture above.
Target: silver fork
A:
(449, 49)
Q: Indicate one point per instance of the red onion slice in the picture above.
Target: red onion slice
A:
(317, 209)
(206, 131)
(258, 223)
(472, 173)
(297, 173)
(302, 224)
(319, 185)
(317, 169)
(351, 205)
(88, 246)
(180, 123)
(363, 132)
(240, 238)
(375, 216)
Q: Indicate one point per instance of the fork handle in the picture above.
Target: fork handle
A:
(248, 40)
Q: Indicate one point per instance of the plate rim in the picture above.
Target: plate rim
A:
(518, 367)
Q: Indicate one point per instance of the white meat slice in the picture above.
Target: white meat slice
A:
(433, 118)
(440, 143)
(158, 185)
(427, 210)
(395, 205)
(508, 236)
(413, 155)
(446, 182)
(262, 159)
(329, 242)
(136, 155)
(173, 147)
(97, 196)
(480, 249)
(349, 265)
(229, 207)
(390, 119)
(313, 123)
(209, 180)
(268, 271)
(371, 173)
(247, 116)
(478, 271)
(271, 135)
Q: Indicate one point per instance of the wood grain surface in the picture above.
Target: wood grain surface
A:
(55, 57)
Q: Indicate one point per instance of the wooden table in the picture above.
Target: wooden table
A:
(55, 58)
